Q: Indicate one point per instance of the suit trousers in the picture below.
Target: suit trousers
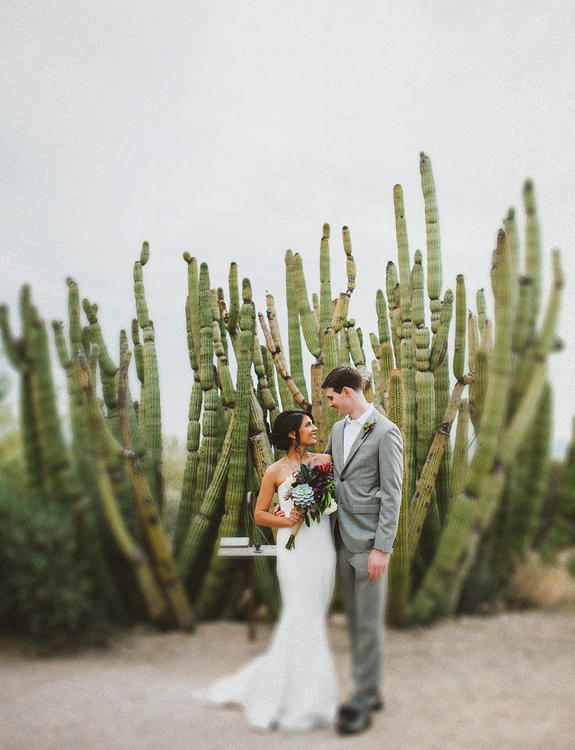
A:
(364, 602)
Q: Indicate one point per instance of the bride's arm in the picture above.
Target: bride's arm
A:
(262, 516)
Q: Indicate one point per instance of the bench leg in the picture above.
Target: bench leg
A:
(251, 585)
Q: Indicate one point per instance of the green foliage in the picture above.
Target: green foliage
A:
(557, 521)
(46, 595)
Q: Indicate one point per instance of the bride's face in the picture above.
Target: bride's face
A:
(307, 432)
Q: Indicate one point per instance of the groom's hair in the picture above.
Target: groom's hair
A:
(343, 376)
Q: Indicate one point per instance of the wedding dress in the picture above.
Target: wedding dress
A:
(292, 686)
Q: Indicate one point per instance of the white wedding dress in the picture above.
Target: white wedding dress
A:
(292, 686)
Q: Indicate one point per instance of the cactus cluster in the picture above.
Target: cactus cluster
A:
(465, 513)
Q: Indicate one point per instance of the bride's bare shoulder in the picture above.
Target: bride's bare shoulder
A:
(274, 470)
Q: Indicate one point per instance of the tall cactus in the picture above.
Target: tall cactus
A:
(158, 543)
(208, 453)
(19, 356)
(433, 240)
(399, 580)
(150, 399)
(315, 325)
(294, 337)
(448, 502)
(454, 541)
(474, 508)
(105, 444)
(215, 583)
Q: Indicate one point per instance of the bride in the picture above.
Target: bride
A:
(293, 685)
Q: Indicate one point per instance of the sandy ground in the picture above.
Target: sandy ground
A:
(506, 681)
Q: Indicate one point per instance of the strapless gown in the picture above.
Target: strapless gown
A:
(292, 686)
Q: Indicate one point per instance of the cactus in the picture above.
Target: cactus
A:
(105, 444)
(17, 351)
(214, 587)
(271, 379)
(474, 507)
(448, 503)
(433, 240)
(460, 452)
(151, 422)
(399, 580)
(195, 548)
(208, 453)
(454, 539)
(158, 543)
(460, 326)
(316, 322)
(273, 342)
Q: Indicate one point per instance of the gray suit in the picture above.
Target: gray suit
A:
(368, 494)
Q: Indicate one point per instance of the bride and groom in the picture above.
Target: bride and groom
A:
(293, 685)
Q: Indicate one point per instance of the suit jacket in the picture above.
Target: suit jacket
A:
(368, 485)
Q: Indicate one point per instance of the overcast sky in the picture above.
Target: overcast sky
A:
(234, 129)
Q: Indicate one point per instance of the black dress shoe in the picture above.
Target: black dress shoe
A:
(345, 708)
(354, 720)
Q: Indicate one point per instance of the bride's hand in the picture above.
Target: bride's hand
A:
(295, 517)
(279, 512)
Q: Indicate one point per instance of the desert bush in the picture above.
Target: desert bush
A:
(46, 594)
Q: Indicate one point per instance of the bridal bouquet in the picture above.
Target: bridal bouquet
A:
(312, 491)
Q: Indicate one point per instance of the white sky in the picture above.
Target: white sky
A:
(234, 129)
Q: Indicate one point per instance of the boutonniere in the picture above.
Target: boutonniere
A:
(367, 428)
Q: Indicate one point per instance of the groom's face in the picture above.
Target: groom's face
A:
(341, 402)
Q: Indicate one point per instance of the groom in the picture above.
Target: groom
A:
(368, 466)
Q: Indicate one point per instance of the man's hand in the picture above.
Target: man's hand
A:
(376, 564)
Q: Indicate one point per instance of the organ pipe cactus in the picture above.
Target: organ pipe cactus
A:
(19, 356)
(474, 507)
(448, 503)
(186, 505)
(216, 581)
(316, 322)
(433, 240)
(208, 452)
(456, 533)
(272, 338)
(158, 543)
(399, 578)
(104, 444)
(150, 399)
(294, 336)
(460, 451)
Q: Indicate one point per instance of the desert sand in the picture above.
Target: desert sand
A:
(504, 681)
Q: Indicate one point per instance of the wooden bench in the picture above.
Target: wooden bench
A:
(246, 548)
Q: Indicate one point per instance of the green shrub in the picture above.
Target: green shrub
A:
(46, 595)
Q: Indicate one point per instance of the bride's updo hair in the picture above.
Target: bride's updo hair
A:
(286, 422)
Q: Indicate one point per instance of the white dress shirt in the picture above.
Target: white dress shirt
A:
(351, 430)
